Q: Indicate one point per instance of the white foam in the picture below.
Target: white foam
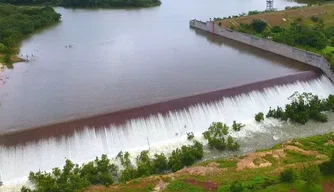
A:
(164, 133)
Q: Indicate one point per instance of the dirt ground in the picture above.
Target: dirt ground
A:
(209, 186)
(328, 187)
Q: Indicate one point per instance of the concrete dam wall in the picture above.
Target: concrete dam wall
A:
(306, 57)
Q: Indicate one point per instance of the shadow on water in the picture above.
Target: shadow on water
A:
(243, 48)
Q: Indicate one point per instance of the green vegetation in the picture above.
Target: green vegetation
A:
(259, 117)
(286, 174)
(237, 126)
(312, 33)
(101, 171)
(217, 134)
(73, 177)
(181, 186)
(87, 3)
(190, 135)
(16, 23)
(302, 108)
(289, 175)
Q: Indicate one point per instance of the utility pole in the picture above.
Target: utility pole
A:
(148, 143)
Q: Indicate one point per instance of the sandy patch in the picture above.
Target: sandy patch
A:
(160, 186)
(200, 170)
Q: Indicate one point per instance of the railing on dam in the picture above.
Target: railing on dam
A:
(303, 56)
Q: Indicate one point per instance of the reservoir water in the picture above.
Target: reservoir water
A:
(126, 58)
(122, 59)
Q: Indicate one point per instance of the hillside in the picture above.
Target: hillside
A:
(259, 171)
(310, 28)
(286, 17)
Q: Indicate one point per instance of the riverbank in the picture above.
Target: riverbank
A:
(253, 168)
(20, 22)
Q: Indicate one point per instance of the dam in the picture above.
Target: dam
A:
(127, 88)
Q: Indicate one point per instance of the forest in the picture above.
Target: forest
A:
(87, 3)
(17, 23)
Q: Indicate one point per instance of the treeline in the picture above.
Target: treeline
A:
(301, 109)
(16, 23)
(102, 171)
(87, 3)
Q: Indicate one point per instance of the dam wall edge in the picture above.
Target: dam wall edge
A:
(287, 51)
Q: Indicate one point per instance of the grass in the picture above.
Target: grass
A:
(181, 186)
(277, 146)
(318, 143)
(284, 18)
(223, 163)
(295, 157)
(264, 179)
(271, 159)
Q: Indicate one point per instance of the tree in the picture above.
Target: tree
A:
(160, 163)
(258, 25)
(231, 145)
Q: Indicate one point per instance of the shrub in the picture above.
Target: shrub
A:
(237, 187)
(315, 18)
(73, 177)
(259, 182)
(327, 168)
(237, 126)
(185, 156)
(311, 174)
(289, 175)
(258, 25)
(303, 107)
(190, 136)
(259, 117)
(231, 145)
(276, 29)
(216, 136)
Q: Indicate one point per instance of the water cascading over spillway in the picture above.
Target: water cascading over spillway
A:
(162, 132)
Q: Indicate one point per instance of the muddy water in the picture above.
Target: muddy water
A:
(126, 58)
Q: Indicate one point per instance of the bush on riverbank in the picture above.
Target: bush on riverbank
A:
(259, 117)
(217, 134)
(16, 23)
(73, 177)
(237, 126)
(303, 107)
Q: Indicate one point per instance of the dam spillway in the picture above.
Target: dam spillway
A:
(164, 131)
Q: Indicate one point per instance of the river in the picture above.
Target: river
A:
(126, 58)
